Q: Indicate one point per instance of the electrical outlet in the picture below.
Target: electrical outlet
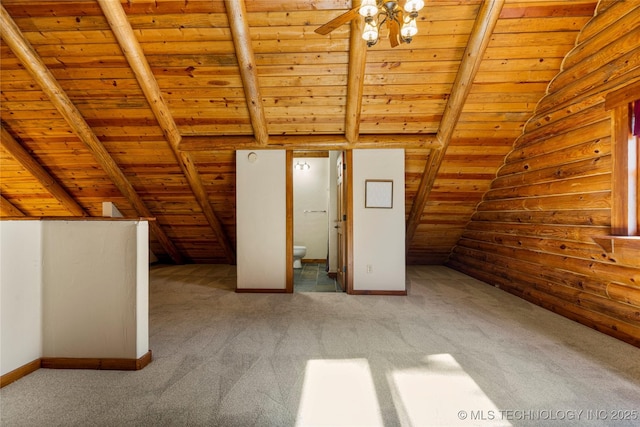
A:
(369, 268)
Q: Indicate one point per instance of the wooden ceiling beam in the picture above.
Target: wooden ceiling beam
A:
(132, 50)
(310, 142)
(8, 209)
(32, 62)
(355, 80)
(237, 13)
(22, 156)
(478, 41)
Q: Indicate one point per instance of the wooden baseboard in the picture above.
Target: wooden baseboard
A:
(390, 293)
(260, 291)
(76, 363)
(20, 372)
(97, 363)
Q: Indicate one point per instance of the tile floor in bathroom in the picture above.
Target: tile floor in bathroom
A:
(313, 277)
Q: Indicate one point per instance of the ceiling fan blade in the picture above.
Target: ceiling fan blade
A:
(400, 19)
(336, 22)
(394, 32)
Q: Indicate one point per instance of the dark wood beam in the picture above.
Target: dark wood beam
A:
(237, 13)
(355, 82)
(8, 209)
(23, 157)
(32, 62)
(310, 142)
(132, 50)
(478, 41)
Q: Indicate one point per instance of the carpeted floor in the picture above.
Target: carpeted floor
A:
(454, 351)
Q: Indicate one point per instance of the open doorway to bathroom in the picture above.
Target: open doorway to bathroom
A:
(314, 212)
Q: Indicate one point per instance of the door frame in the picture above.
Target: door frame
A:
(348, 159)
(289, 223)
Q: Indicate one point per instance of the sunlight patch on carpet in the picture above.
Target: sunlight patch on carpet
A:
(338, 393)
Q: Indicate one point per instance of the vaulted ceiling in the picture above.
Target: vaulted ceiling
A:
(143, 102)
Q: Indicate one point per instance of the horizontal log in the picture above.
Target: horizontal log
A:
(560, 232)
(529, 271)
(627, 275)
(605, 324)
(308, 142)
(560, 247)
(578, 83)
(603, 20)
(576, 217)
(581, 118)
(598, 33)
(596, 200)
(583, 151)
(569, 137)
(597, 304)
(577, 185)
(593, 166)
(621, 293)
(575, 92)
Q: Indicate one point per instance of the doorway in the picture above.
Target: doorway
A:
(315, 221)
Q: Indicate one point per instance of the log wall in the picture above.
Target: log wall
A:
(535, 233)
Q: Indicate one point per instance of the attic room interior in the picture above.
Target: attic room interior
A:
(470, 168)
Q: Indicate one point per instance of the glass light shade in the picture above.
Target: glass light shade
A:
(370, 32)
(302, 166)
(368, 8)
(413, 5)
(409, 29)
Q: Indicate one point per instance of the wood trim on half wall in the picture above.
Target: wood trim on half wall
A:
(76, 363)
(96, 363)
(20, 372)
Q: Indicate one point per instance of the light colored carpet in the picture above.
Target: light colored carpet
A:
(454, 351)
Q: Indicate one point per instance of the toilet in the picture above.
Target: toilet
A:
(298, 253)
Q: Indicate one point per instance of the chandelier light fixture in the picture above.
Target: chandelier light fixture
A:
(378, 12)
(302, 166)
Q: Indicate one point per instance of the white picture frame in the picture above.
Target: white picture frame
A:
(378, 193)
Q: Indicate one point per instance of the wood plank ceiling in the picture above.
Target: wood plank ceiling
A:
(143, 102)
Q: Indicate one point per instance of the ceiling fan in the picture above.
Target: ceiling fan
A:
(399, 16)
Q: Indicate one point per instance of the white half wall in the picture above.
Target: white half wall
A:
(73, 288)
(110, 210)
(261, 219)
(378, 233)
(142, 288)
(20, 293)
(90, 275)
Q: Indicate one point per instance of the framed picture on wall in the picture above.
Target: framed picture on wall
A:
(378, 193)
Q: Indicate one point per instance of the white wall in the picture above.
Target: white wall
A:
(142, 289)
(20, 294)
(89, 291)
(74, 289)
(378, 234)
(110, 210)
(261, 219)
(311, 193)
